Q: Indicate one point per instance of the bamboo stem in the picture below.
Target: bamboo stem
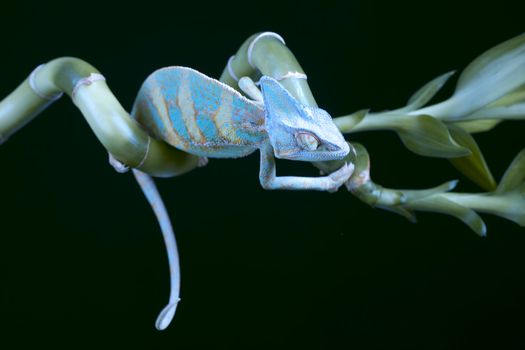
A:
(273, 58)
(113, 126)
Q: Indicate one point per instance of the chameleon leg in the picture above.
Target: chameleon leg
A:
(270, 181)
(247, 85)
(150, 191)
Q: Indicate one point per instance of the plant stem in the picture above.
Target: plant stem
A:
(116, 130)
(483, 202)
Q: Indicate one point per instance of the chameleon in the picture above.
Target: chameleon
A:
(206, 118)
(181, 117)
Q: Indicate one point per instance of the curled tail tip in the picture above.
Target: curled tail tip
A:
(166, 315)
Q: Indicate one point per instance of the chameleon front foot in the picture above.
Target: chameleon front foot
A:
(330, 183)
(340, 177)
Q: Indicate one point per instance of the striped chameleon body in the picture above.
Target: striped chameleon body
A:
(206, 118)
(198, 115)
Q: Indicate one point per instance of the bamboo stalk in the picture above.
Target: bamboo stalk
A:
(116, 130)
(273, 58)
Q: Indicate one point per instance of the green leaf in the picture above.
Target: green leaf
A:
(492, 75)
(510, 106)
(474, 126)
(346, 123)
(414, 195)
(516, 96)
(427, 136)
(474, 165)
(509, 205)
(514, 176)
(442, 205)
(515, 111)
(425, 94)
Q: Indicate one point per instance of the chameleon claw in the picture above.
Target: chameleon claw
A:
(166, 315)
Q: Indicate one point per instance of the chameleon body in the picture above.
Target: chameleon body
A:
(206, 118)
(198, 114)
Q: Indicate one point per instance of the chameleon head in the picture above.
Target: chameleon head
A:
(299, 132)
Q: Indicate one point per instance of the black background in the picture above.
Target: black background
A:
(82, 260)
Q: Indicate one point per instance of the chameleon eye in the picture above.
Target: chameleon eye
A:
(307, 141)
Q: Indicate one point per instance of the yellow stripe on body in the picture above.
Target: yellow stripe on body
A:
(171, 136)
(223, 119)
(185, 103)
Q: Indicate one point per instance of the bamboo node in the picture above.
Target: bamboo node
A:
(288, 75)
(93, 77)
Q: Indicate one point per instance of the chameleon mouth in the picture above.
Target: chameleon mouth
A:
(313, 156)
(331, 155)
(324, 152)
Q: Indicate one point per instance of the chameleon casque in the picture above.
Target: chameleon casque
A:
(182, 117)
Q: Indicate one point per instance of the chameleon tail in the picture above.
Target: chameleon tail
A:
(150, 191)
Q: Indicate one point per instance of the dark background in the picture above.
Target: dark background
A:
(82, 260)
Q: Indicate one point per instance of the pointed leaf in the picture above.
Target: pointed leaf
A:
(474, 165)
(346, 123)
(513, 112)
(495, 73)
(475, 126)
(429, 137)
(425, 94)
(509, 205)
(414, 195)
(442, 205)
(516, 96)
(514, 176)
